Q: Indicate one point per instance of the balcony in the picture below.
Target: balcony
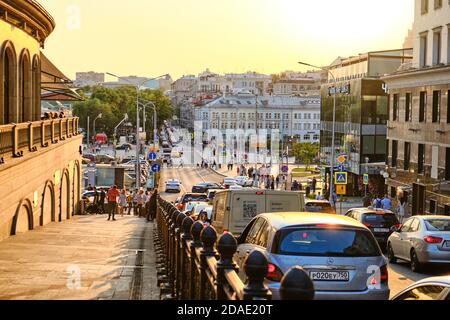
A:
(20, 140)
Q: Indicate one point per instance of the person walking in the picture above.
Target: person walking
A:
(122, 201)
(135, 202)
(112, 195)
(386, 203)
(140, 203)
(278, 181)
(151, 215)
(101, 201)
(313, 185)
(377, 203)
(129, 203)
(401, 208)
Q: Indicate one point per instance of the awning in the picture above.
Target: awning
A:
(55, 86)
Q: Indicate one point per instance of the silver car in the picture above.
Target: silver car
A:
(340, 254)
(436, 288)
(173, 186)
(421, 240)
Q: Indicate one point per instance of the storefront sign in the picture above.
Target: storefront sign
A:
(345, 89)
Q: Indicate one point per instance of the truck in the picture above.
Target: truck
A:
(234, 209)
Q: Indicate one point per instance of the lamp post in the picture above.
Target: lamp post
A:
(98, 117)
(88, 139)
(155, 120)
(333, 130)
(138, 144)
(115, 132)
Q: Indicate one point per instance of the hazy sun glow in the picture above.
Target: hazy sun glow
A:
(152, 37)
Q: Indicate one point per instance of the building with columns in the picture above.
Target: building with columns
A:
(40, 161)
(418, 130)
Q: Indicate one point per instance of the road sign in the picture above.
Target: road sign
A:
(285, 169)
(341, 190)
(152, 156)
(340, 178)
(156, 168)
(341, 168)
(341, 159)
(366, 179)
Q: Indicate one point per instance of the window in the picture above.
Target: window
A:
(437, 47)
(423, 49)
(407, 156)
(424, 6)
(394, 153)
(421, 158)
(395, 108)
(307, 137)
(407, 226)
(408, 113)
(437, 4)
(448, 106)
(422, 106)
(415, 226)
(252, 236)
(423, 293)
(436, 106)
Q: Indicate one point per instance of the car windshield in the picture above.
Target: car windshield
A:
(380, 218)
(326, 242)
(201, 197)
(438, 225)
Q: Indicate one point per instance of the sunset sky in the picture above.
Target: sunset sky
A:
(154, 37)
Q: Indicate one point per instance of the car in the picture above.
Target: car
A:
(212, 193)
(235, 187)
(105, 158)
(125, 146)
(89, 156)
(319, 206)
(340, 255)
(227, 182)
(435, 288)
(134, 162)
(185, 198)
(381, 222)
(173, 186)
(204, 187)
(421, 240)
(195, 212)
(243, 181)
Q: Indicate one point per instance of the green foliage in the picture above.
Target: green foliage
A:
(306, 152)
(114, 103)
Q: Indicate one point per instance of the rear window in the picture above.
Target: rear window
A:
(438, 225)
(380, 218)
(318, 207)
(326, 242)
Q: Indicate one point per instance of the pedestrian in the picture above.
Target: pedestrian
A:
(90, 188)
(401, 208)
(129, 203)
(135, 202)
(272, 184)
(278, 180)
(386, 203)
(96, 196)
(151, 215)
(140, 203)
(377, 203)
(367, 201)
(112, 195)
(122, 201)
(319, 197)
(101, 201)
(314, 184)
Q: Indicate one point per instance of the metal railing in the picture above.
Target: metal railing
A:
(16, 140)
(194, 264)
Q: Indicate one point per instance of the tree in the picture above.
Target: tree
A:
(114, 103)
(306, 152)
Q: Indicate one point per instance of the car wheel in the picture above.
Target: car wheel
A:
(390, 254)
(416, 266)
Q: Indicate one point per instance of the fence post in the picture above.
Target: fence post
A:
(227, 247)
(185, 270)
(173, 250)
(255, 267)
(296, 285)
(208, 238)
(196, 229)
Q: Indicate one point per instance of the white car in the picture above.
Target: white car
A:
(173, 186)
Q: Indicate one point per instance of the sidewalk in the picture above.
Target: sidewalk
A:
(86, 258)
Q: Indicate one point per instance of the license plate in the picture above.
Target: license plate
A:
(447, 244)
(381, 230)
(330, 275)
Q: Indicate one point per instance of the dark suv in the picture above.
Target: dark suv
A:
(382, 223)
(205, 186)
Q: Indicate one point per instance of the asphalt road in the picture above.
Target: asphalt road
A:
(400, 275)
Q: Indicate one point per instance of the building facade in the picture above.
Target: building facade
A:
(40, 161)
(419, 120)
(361, 115)
(90, 78)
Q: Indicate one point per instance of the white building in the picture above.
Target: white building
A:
(252, 82)
(295, 117)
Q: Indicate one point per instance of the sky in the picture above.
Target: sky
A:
(155, 37)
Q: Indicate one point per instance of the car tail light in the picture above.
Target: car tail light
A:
(368, 225)
(433, 240)
(384, 274)
(396, 226)
(274, 273)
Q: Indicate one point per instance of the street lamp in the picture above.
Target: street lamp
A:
(155, 120)
(138, 88)
(115, 131)
(333, 131)
(98, 117)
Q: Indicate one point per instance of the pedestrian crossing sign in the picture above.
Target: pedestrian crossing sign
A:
(340, 178)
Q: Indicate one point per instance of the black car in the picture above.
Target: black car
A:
(205, 186)
(382, 223)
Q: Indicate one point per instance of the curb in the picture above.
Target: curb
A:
(217, 172)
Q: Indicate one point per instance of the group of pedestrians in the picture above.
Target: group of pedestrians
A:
(385, 203)
(143, 204)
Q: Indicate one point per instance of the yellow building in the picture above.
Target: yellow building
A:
(39, 158)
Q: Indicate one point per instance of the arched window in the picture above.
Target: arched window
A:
(8, 88)
(25, 107)
(36, 89)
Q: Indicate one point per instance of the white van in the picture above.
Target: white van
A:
(234, 209)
